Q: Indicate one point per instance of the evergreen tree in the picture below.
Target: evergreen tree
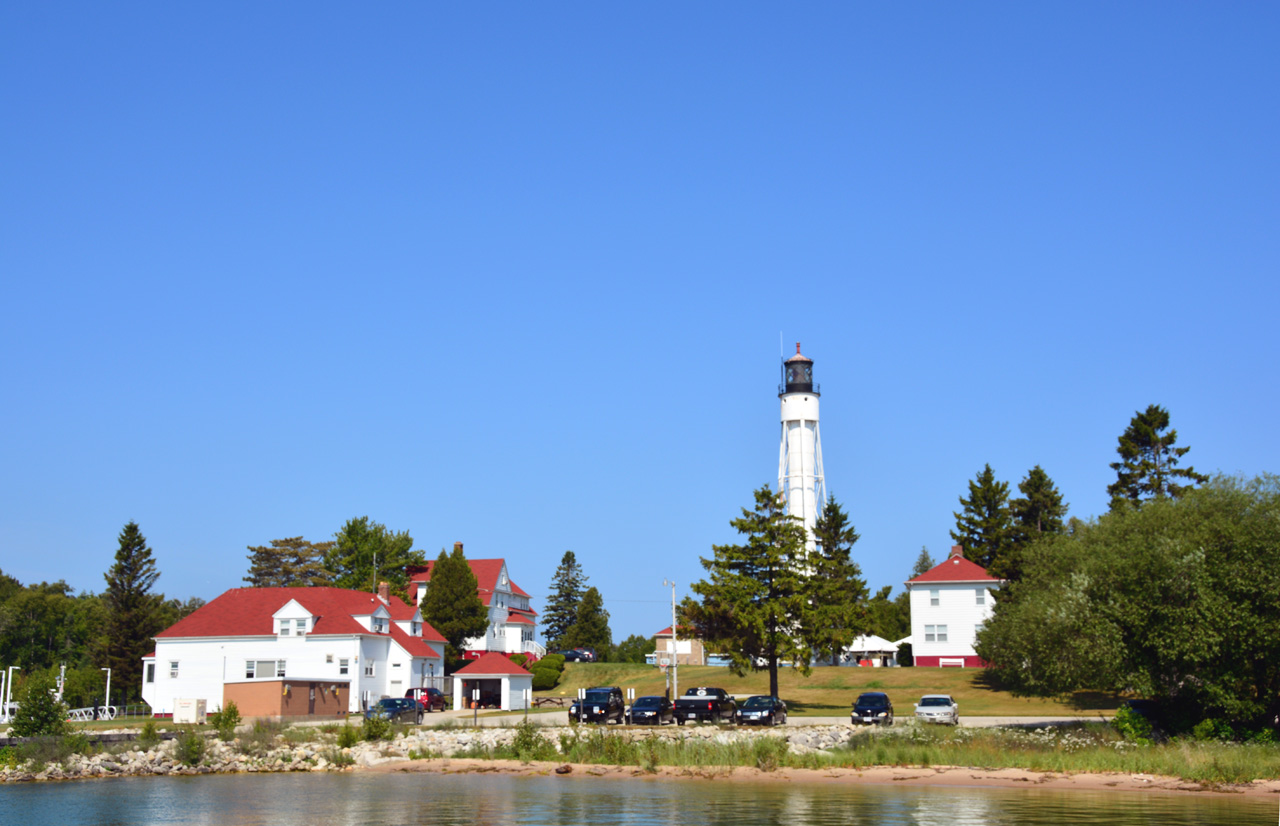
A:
(365, 553)
(756, 599)
(132, 611)
(837, 592)
(984, 528)
(285, 563)
(1146, 469)
(591, 626)
(562, 608)
(452, 604)
(924, 563)
(1038, 512)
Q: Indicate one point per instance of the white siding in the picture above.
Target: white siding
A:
(957, 609)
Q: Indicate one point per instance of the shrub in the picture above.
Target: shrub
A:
(520, 659)
(1132, 726)
(528, 745)
(556, 661)
(1213, 729)
(225, 720)
(261, 739)
(348, 736)
(39, 714)
(376, 728)
(9, 758)
(545, 678)
(338, 757)
(189, 747)
(149, 735)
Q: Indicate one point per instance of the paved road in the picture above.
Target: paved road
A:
(560, 718)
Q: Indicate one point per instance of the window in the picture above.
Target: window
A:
(395, 665)
(935, 633)
(933, 597)
(284, 628)
(344, 666)
(173, 669)
(942, 633)
(300, 627)
(977, 629)
(980, 596)
(415, 628)
(379, 625)
(151, 672)
(368, 668)
(263, 669)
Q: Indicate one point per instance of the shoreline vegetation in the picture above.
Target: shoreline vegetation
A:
(1085, 756)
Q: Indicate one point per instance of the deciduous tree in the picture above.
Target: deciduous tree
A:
(452, 604)
(365, 553)
(1147, 467)
(633, 649)
(984, 527)
(291, 562)
(132, 611)
(756, 599)
(39, 713)
(567, 585)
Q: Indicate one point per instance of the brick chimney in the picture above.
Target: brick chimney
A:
(457, 546)
(956, 552)
(384, 592)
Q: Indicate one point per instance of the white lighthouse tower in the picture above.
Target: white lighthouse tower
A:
(800, 455)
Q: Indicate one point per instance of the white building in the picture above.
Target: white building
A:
(800, 477)
(949, 604)
(371, 645)
(512, 622)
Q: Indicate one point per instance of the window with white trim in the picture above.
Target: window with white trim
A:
(935, 633)
(173, 669)
(151, 672)
(933, 597)
(379, 625)
(264, 669)
(344, 666)
(300, 627)
(980, 596)
(368, 668)
(285, 626)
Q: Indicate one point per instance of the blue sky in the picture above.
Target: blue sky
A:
(517, 275)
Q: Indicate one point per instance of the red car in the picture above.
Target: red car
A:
(430, 699)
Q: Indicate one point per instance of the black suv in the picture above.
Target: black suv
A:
(396, 709)
(602, 704)
(872, 707)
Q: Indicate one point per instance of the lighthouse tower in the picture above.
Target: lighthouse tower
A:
(800, 455)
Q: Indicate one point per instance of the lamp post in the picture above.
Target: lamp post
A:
(8, 690)
(675, 660)
(106, 701)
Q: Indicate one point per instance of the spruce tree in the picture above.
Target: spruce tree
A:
(132, 611)
(562, 608)
(286, 563)
(452, 604)
(365, 553)
(1147, 467)
(924, 563)
(837, 591)
(756, 599)
(591, 625)
(984, 527)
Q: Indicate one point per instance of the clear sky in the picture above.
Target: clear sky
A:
(517, 274)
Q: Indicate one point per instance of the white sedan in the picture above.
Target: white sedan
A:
(938, 708)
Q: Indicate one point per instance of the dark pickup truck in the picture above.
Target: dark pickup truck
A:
(705, 704)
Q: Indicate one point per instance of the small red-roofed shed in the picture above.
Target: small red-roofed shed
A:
(500, 683)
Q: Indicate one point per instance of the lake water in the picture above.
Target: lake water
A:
(494, 800)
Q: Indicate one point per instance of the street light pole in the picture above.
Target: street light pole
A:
(8, 691)
(107, 699)
(675, 659)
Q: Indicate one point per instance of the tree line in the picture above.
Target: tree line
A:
(575, 617)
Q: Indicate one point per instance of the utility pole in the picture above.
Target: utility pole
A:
(675, 674)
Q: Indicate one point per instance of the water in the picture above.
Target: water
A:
(494, 800)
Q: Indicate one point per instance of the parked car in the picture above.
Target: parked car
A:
(651, 711)
(578, 655)
(602, 704)
(872, 708)
(762, 709)
(938, 708)
(705, 704)
(396, 709)
(431, 699)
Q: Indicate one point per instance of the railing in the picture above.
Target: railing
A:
(801, 387)
(535, 648)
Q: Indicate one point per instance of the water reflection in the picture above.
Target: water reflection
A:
(468, 800)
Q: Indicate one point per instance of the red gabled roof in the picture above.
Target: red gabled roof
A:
(486, 572)
(666, 632)
(492, 664)
(955, 569)
(512, 616)
(246, 612)
(416, 646)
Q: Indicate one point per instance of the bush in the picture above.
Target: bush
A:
(1132, 726)
(189, 747)
(520, 659)
(225, 720)
(149, 735)
(376, 728)
(348, 736)
(545, 678)
(555, 661)
(1213, 729)
(39, 714)
(528, 745)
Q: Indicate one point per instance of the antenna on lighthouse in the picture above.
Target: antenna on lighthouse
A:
(800, 477)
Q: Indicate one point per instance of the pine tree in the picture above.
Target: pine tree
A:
(756, 599)
(837, 591)
(132, 610)
(452, 604)
(1146, 469)
(562, 608)
(285, 563)
(591, 626)
(365, 553)
(984, 527)
(924, 563)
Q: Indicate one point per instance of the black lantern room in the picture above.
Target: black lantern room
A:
(797, 374)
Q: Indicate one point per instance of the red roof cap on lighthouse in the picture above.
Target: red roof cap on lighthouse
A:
(798, 356)
(955, 569)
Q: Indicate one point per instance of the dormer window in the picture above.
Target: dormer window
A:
(380, 625)
(415, 628)
(286, 627)
(300, 627)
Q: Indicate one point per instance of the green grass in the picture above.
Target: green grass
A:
(830, 692)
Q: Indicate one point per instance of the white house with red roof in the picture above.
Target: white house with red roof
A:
(492, 681)
(375, 644)
(512, 622)
(950, 602)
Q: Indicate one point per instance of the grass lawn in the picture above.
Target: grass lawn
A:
(830, 692)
